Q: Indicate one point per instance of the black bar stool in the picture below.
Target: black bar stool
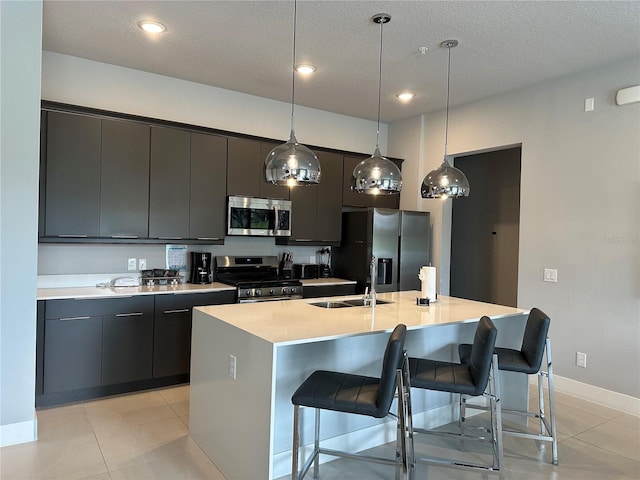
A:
(476, 377)
(528, 360)
(360, 395)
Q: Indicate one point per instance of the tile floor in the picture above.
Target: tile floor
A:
(146, 436)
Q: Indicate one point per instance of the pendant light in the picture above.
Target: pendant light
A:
(292, 163)
(377, 175)
(446, 181)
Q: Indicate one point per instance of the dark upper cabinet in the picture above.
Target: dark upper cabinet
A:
(124, 194)
(245, 170)
(268, 189)
(72, 181)
(354, 199)
(329, 213)
(316, 216)
(208, 195)
(304, 212)
(349, 197)
(169, 179)
(243, 174)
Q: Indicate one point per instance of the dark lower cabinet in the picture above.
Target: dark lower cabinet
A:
(127, 347)
(172, 336)
(73, 353)
(172, 329)
(89, 348)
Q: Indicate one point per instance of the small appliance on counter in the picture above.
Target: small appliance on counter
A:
(158, 276)
(201, 271)
(305, 270)
(324, 260)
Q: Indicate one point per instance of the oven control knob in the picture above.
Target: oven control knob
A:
(285, 290)
(271, 292)
(249, 293)
(258, 292)
(294, 290)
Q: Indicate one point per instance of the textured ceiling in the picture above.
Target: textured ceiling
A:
(246, 46)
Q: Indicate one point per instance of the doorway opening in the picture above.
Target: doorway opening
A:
(485, 228)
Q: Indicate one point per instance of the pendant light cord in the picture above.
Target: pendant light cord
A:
(293, 63)
(446, 127)
(382, 22)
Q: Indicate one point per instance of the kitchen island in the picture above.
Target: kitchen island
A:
(248, 359)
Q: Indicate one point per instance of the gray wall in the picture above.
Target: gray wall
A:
(580, 210)
(20, 47)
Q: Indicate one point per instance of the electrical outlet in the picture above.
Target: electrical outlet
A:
(142, 264)
(550, 275)
(581, 359)
(131, 264)
(232, 366)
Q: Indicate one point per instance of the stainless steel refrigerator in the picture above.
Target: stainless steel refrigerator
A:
(399, 239)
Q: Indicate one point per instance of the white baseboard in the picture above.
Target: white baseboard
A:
(607, 398)
(20, 432)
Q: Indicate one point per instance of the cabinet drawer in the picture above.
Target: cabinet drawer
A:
(98, 306)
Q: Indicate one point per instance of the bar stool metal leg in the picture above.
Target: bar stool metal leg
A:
(552, 404)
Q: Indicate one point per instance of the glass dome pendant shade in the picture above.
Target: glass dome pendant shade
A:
(292, 164)
(446, 181)
(377, 175)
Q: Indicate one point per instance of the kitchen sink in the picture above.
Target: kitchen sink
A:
(359, 302)
(330, 304)
(356, 302)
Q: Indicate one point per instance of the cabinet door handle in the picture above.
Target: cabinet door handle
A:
(72, 235)
(208, 238)
(133, 314)
(170, 238)
(182, 310)
(124, 236)
(303, 239)
(72, 318)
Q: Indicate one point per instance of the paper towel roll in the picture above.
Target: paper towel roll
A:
(428, 287)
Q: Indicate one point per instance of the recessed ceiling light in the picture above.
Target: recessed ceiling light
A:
(405, 96)
(152, 27)
(305, 69)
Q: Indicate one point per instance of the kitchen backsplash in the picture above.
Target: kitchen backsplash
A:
(87, 261)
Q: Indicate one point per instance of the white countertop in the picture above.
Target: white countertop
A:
(296, 321)
(108, 292)
(66, 292)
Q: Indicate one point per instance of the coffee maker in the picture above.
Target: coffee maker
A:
(200, 267)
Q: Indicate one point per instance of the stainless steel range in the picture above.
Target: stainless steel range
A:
(256, 279)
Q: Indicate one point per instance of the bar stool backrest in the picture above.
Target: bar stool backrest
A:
(392, 361)
(484, 342)
(535, 337)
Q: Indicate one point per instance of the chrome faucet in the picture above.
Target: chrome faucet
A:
(369, 297)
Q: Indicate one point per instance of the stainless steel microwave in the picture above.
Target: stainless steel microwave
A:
(265, 217)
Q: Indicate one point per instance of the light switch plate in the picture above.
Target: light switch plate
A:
(550, 275)
(132, 264)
